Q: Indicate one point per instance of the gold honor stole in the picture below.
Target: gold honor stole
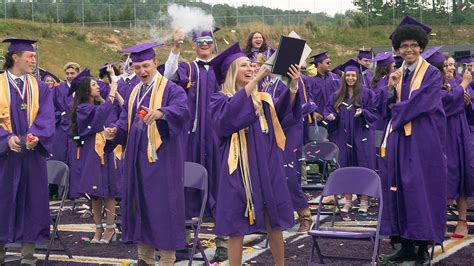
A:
(100, 142)
(415, 84)
(32, 101)
(306, 99)
(238, 153)
(154, 138)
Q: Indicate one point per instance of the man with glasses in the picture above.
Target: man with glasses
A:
(414, 211)
(200, 143)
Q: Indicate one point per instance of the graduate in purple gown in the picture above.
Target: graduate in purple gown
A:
(253, 193)
(100, 175)
(257, 44)
(458, 146)
(62, 102)
(322, 86)
(378, 84)
(150, 125)
(414, 188)
(365, 58)
(128, 80)
(200, 142)
(26, 135)
(351, 110)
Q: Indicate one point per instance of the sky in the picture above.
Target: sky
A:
(329, 6)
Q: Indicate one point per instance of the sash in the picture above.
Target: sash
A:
(415, 84)
(32, 101)
(154, 138)
(238, 153)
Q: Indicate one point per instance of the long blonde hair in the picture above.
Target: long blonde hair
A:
(229, 87)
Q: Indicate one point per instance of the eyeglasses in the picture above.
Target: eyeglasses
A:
(204, 40)
(412, 46)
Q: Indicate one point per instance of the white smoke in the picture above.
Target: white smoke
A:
(188, 19)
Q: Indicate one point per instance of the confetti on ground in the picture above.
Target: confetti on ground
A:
(324, 122)
(342, 244)
(349, 145)
(295, 150)
(318, 151)
(87, 196)
(300, 246)
(85, 239)
(312, 156)
(290, 165)
(300, 159)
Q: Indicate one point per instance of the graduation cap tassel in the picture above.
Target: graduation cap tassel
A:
(215, 41)
(37, 70)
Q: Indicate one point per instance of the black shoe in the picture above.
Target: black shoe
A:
(422, 257)
(220, 255)
(141, 263)
(401, 255)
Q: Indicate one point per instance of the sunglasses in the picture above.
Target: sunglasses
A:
(204, 40)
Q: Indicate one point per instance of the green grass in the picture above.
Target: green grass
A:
(92, 47)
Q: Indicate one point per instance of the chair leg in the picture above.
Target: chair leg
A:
(318, 250)
(432, 252)
(312, 252)
(266, 242)
(442, 247)
(68, 252)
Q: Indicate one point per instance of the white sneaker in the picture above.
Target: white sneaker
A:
(347, 207)
(364, 205)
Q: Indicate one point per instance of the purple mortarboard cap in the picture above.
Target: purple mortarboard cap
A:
(221, 62)
(198, 34)
(466, 59)
(411, 21)
(141, 52)
(433, 56)
(106, 65)
(320, 57)
(352, 65)
(384, 58)
(20, 45)
(44, 74)
(337, 70)
(75, 82)
(364, 54)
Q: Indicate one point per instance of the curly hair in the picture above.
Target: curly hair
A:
(9, 62)
(248, 48)
(409, 32)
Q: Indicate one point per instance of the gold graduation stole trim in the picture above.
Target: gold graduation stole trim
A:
(100, 145)
(154, 138)
(415, 84)
(310, 120)
(32, 96)
(238, 154)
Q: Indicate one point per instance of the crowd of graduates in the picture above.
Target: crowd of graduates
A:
(126, 135)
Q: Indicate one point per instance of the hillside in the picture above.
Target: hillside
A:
(91, 47)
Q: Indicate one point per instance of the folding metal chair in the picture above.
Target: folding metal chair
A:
(58, 174)
(195, 176)
(349, 180)
(317, 134)
(326, 155)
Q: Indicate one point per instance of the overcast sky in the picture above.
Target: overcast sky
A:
(330, 6)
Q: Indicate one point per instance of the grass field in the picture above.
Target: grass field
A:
(92, 47)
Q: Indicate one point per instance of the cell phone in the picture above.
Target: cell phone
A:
(464, 67)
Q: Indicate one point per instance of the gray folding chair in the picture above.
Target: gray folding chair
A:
(326, 155)
(317, 134)
(349, 180)
(195, 176)
(58, 174)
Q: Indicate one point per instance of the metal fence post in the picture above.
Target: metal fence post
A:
(57, 12)
(110, 18)
(83, 24)
(32, 10)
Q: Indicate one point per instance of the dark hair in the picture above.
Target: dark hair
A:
(83, 92)
(380, 72)
(9, 62)
(248, 48)
(343, 92)
(409, 32)
(103, 73)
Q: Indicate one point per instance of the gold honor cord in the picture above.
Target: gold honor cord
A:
(244, 168)
(306, 99)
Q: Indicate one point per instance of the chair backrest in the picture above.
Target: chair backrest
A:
(317, 134)
(353, 180)
(321, 151)
(58, 173)
(195, 176)
(379, 134)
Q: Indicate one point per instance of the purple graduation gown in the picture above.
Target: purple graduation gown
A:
(125, 86)
(267, 175)
(415, 187)
(61, 102)
(367, 77)
(96, 179)
(294, 146)
(153, 201)
(353, 135)
(458, 147)
(200, 144)
(321, 88)
(24, 203)
(380, 98)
